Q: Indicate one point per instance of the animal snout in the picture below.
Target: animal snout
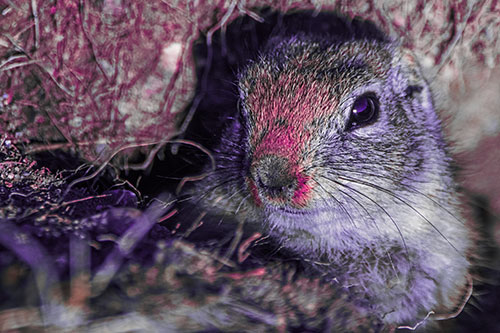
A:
(273, 177)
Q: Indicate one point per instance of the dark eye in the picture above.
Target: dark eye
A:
(364, 111)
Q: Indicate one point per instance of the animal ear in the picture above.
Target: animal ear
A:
(412, 84)
(415, 82)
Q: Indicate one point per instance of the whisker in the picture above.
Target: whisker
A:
(377, 187)
(234, 194)
(421, 193)
(338, 201)
(376, 226)
(412, 188)
(376, 203)
(241, 203)
(213, 188)
(362, 206)
(228, 169)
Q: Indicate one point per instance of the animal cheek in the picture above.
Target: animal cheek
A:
(254, 192)
(303, 192)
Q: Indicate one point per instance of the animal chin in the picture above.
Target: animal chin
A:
(288, 211)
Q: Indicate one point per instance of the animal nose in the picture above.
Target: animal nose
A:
(273, 177)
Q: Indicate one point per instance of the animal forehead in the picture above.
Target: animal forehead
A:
(304, 82)
(290, 97)
(292, 65)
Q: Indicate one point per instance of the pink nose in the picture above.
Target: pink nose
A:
(274, 178)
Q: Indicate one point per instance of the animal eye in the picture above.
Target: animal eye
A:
(364, 111)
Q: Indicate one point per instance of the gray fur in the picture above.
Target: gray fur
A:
(384, 210)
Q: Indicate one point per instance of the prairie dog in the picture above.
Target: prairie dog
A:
(337, 153)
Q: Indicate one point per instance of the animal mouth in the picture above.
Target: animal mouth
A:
(286, 210)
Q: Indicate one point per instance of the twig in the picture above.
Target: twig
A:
(197, 223)
(236, 240)
(54, 146)
(16, 46)
(87, 36)
(19, 56)
(60, 130)
(103, 165)
(19, 64)
(79, 253)
(60, 86)
(83, 199)
(190, 114)
(125, 246)
(34, 10)
(451, 46)
(203, 175)
(414, 327)
(169, 215)
(30, 251)
(38, 63)
(121, 182)
(144, 165)
(169, 101)
(242, 254)
(222, 261)
(222, 22)
(255, 16)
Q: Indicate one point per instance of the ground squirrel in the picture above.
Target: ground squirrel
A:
(336, 151)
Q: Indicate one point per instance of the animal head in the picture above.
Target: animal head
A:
(314, 110)
(337, 153)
